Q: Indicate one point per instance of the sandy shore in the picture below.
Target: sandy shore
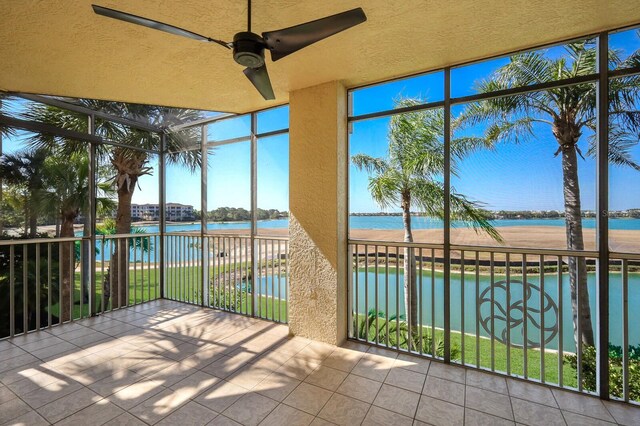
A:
(550, 237)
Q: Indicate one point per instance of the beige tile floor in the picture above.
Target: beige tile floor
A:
(174, 364)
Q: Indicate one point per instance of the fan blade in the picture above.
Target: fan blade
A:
(288, 40)
(260, 79)
(150, 23)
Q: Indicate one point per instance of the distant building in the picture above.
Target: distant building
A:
(174, 212)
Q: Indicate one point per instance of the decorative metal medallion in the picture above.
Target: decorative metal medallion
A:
(510, 311)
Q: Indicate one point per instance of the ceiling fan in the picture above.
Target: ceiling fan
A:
(248, 48)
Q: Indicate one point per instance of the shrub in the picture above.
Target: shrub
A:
(616, 384)
(397, 333)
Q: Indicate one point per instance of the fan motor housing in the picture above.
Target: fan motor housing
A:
(248, 49)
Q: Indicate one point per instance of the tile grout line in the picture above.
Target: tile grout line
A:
(426, 376)
(513, 412)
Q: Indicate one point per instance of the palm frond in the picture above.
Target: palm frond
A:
(369, 163)
(386, 188)
(471, 212)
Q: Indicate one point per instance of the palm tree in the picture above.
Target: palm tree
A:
(410, 177)
(24, 170)
(4, 132)
(568, 112)
(127, 164)
(67, 182)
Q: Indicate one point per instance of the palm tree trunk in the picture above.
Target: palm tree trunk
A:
(33, 223)
(26, 217)
(119, 265)
(575, 241)
(85, 260)
(66, 269)
(410, 288)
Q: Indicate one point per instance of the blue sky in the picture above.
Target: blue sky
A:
(229, 179)
(512, 177)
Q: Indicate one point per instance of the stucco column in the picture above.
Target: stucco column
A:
(318, 158)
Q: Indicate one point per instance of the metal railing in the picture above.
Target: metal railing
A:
(235, 273)
(47, 282)
(511, 311)
(38, 284)
(624, 350)
(127, 270)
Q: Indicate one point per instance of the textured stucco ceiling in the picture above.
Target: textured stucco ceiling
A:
(62, 48)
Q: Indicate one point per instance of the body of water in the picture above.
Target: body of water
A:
(431, 288)
(421, 222)
(371, 222)
(393, 222)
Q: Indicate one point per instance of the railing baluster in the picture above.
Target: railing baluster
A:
(542, 332)
(273, 296)
(247, 267)
(560, 325)
(184, 270)
(433, 303)
(37, 286)
(477, 266)
(146, 248)
(357, 290)
(219, 272)
(493, 301)
(377, 308)
(508, 310)
(156, 263)
(72, 279)
(386, 295)
(12, 295)
(625, 329)
(279, 287)
(170, 270)
(366, 291)
(226, 299)
(173, 240)
(102, 254)
(230, 280)
(177, 261)
(60, 283)
(197, 294)
(188, 269)
(525, 319)
(49, 288)
(151, 245)
(420, 295)
(177, 266)
(409, 279)
(462, 308)
(135, 271)
(25, 289)
(193, 267)
(82, 275)
(579, 322)
(398, 297)
(238, 279)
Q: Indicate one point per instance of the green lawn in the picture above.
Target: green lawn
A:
(143, 286)
(499, 356)
(184, 284)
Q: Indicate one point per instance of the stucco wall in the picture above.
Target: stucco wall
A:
(318, 202)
